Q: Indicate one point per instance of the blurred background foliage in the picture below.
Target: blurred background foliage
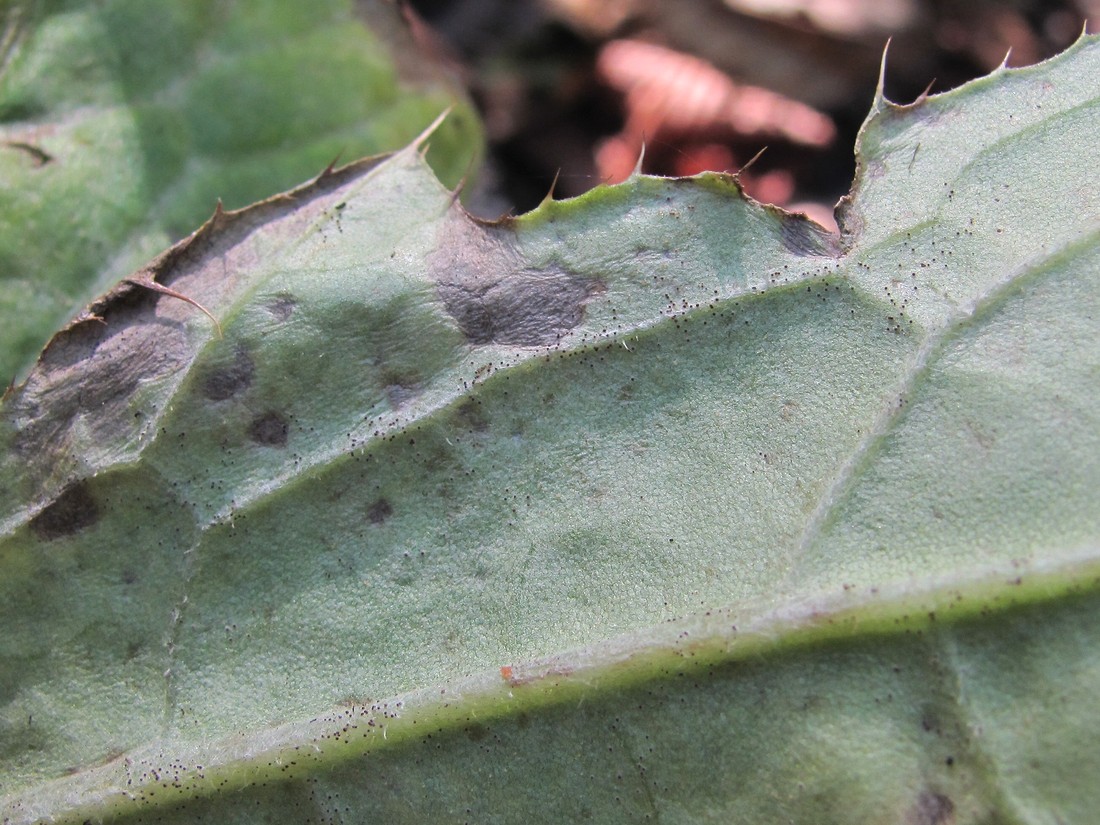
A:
(573, 88)
(123, 123)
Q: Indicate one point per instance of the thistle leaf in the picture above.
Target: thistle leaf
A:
(655, 503)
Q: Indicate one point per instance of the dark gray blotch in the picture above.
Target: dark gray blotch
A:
(282, 306)
(524, 309)
(802, 236)
(269, 429)
(400, 394)
(379, 511)
(87, 374)
(72, 511)
(224, 382)
(473, 417)
(495, 298)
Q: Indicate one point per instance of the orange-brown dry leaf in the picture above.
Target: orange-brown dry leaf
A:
(669, 91)
(675, 97)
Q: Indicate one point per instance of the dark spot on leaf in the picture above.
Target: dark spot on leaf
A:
(69, 513)
(226, 381)
(476, 732)
(402, 383)
(521, 310)
(269, 429)
(379, 511)
(282, 306)
(932, 809)
(494, 298)
(399, 393)
(524, 309)
(804, 237)
(78, 398)
(88, 370)
(129, 576)
(472, 416)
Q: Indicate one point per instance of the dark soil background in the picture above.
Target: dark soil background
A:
(573, 89)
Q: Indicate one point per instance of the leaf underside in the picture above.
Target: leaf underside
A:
(652, 503)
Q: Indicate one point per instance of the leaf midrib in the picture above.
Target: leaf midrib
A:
(689, 645)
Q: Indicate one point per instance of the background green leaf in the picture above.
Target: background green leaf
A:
(123, 123)
(653, 503)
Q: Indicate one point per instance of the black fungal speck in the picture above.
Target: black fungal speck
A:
(69, 513)
(269, 429)
(379, 511)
